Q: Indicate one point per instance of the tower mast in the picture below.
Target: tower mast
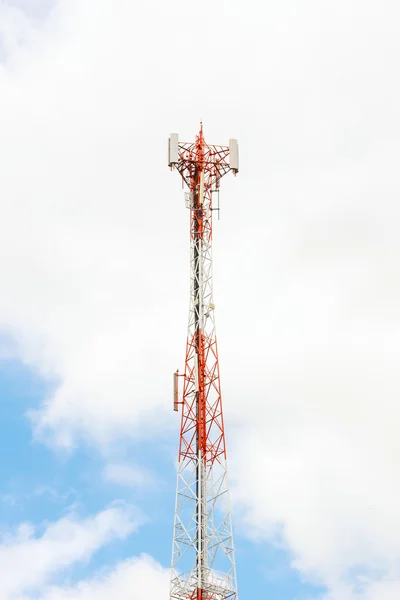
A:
(203, 561)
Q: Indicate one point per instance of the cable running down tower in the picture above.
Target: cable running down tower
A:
(203, 560)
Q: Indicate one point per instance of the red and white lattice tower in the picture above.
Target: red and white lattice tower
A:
(203, 559)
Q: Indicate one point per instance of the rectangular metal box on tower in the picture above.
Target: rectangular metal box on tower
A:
(173, 149)
(234, 155)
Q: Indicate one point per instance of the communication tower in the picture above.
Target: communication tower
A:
(203, 559)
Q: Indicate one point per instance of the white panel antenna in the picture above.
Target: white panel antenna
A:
(173, 149)
(234, 155)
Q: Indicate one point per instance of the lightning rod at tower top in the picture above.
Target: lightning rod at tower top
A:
(203, 558)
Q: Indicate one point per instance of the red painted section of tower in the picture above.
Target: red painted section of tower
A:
(202, 416)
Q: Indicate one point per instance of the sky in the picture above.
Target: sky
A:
(94, 265)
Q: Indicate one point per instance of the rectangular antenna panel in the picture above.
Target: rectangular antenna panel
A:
(176, 391)
(173, 149)
(234, 155)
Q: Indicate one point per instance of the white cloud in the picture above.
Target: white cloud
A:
(29, 560)
(93, 251)
(36, 9)
(127, 475)
(139, 578)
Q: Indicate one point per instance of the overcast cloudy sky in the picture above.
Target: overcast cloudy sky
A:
(94, 267)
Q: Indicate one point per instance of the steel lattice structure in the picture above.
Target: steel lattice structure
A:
(203, 560)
